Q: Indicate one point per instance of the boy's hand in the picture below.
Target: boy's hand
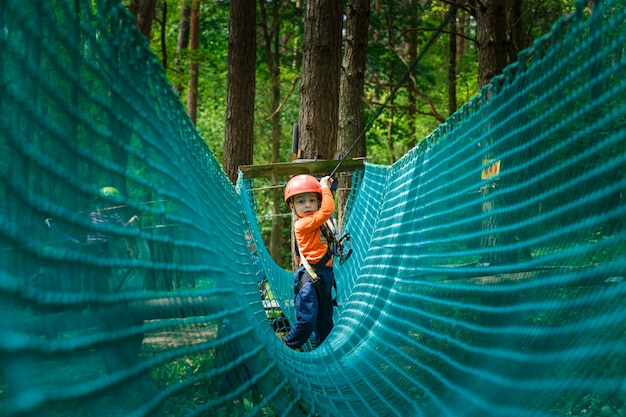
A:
(326, 181)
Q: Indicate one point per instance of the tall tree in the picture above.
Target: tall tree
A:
(163, 33)
(392, 77)
(352, 80)
(411, 48)
(239, 137)
(452, 61)
(319, 89)
(499, 35)
(182, 40)
(351, 119)
(499, 38)
(194, 46)
(271, 34)
(144, 11)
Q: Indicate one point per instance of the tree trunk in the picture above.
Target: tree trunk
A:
(461, 44)
(351, 119)
(194, 45)
(411, 48)
(319, 89)
(498, 33)
(452, 61)
(163, 35)
(390, 23)
(239, 137)
(272, 51)
(144, 11)
(182, 41)
(499, 37)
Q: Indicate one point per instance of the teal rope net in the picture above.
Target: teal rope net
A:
(487, 268)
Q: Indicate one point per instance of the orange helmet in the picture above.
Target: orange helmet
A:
(303, 183)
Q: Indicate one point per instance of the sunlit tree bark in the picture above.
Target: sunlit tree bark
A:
(144, 11)
(319, 89)
(239, 137)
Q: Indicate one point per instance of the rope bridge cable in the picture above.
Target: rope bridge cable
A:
(487, 268)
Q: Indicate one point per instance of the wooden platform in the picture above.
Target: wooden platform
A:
(301, 166)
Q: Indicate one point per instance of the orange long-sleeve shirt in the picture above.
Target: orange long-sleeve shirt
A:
(311, 241)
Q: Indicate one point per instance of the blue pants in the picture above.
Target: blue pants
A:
(314, 308)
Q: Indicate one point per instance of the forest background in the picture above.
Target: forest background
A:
(246, 71)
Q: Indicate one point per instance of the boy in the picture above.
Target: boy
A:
(312, 204)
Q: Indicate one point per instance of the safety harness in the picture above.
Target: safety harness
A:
(336, 248)
(341, 248)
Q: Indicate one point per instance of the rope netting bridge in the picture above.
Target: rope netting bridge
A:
(487, 271)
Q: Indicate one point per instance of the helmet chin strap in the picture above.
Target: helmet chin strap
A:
(294, 211)
(292, 207)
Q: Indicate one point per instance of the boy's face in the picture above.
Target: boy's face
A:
(305, 203)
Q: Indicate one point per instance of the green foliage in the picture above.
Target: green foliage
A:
(540, 16)
(393, 26)
(212, 58)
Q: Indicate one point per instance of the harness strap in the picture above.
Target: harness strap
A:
(306, 277)
(330, 238)
(322, 262)
(310, 273)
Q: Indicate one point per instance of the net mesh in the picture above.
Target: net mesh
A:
(487, 268)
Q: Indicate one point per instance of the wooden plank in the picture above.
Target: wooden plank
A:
(301, 166)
